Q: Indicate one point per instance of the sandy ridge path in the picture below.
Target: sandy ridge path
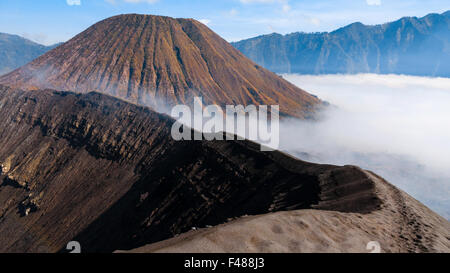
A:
(408, 224)
(419, 228)
(402, 224)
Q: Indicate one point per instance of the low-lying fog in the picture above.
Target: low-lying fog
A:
(396, 126)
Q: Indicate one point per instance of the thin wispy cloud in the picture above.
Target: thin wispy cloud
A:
(284, 4)
(373, 2)
(132, 1)
(141, 1)
(204, 21)
(233, 20)
(73, 2)
(261, 1)
(233, 12)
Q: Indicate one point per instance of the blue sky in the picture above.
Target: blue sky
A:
(52, 21)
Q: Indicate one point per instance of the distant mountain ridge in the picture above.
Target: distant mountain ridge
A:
(16, 51)
(410, 45)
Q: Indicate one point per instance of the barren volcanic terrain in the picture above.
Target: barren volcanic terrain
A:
(107, 173)
(148, 59)
(99, 167)
(402, 224)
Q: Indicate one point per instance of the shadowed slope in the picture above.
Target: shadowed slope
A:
(148, 59)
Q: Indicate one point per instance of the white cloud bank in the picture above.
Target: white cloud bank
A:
(397, 126)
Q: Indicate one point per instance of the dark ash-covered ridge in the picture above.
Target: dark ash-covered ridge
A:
(108, 174)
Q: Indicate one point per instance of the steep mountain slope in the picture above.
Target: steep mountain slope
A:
(148, 59)
(16, 51)
(415, 46)
(108, 174)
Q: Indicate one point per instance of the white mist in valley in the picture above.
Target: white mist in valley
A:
(397, 126)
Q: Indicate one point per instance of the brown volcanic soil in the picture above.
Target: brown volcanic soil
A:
(107, 173)
(148, 59)
(402, 224)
